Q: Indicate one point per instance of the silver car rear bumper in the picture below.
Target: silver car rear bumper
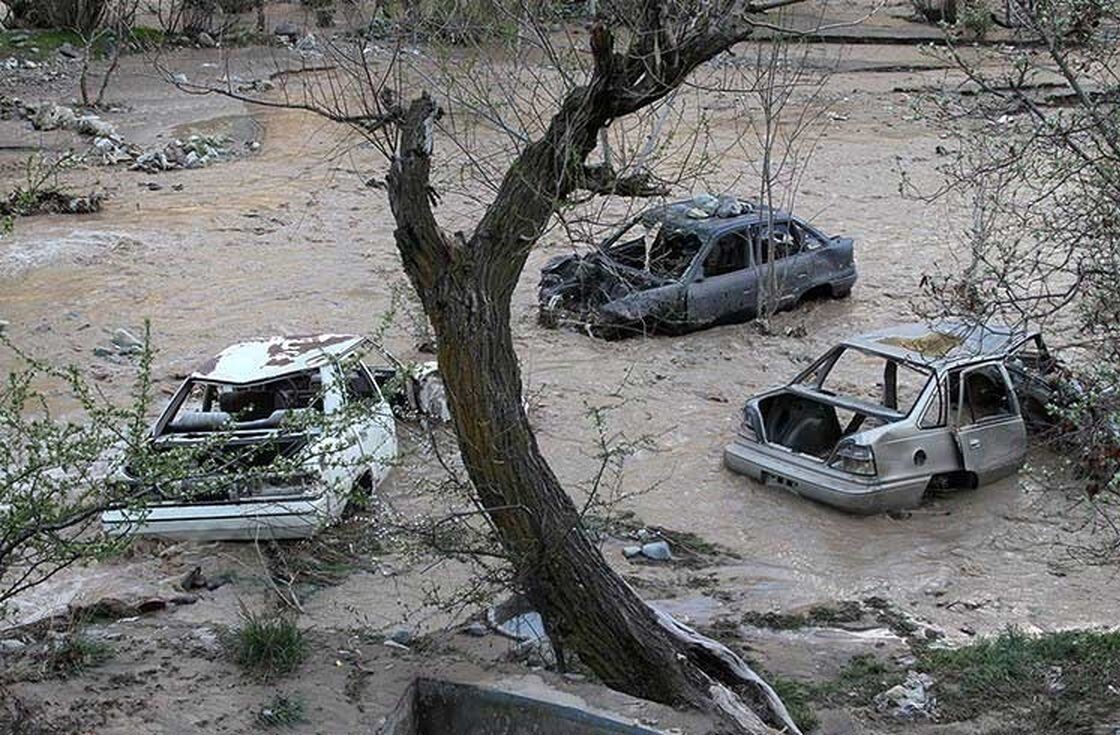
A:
(812, 479)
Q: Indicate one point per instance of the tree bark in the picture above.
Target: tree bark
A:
(465, 285)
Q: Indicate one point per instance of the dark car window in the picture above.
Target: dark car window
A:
(728, 254)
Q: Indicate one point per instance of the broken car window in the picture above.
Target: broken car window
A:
(869, 378)
(780, 241)
(985, 395)
(728, 254)
(805, 237)
(217, 406)
(661, 250)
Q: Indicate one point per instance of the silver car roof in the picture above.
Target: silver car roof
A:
(942, 344)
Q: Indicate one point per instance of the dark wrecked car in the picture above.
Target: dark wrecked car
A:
(694, 264)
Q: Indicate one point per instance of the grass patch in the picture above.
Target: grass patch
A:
(47, 42)
(281, 711)
(798, 699)
(73, 654)
(267, 645)
(1063, 682)
(848, 611)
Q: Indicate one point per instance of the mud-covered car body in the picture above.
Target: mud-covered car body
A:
(272, 436)
(880, 419)
(681, 267)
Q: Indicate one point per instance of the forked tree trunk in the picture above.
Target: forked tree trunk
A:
(466, 284)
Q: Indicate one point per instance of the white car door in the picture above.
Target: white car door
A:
(375, 426)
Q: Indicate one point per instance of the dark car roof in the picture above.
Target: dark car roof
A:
(676, 215)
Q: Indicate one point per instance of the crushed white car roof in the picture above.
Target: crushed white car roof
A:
(273, 357)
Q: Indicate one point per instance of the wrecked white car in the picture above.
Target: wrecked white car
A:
(694, 264)
(882, 418)
(268, 439)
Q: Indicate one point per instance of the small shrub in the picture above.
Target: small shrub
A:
(282, 711)
(83, 16)
(976, 17)
(74, 653)
(267, 644)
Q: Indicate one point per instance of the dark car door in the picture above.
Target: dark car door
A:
(782, 268)
(723, 286)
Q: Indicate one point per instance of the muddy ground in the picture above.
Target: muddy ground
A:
(290, 239)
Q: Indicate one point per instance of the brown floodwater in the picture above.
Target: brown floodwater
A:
(291, 240)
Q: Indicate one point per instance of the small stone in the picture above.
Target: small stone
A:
(69, 51)
(253, 145)
(657, 550)
(126, 341)
(12, 645)
(221, 580)
(100, 351)
(400, 636)
(476, 629)
(4, 325)
(631, 551)
(205, 40)
(193, 580)
(179, 78)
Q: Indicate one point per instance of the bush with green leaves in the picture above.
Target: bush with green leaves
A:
(54, 466)
(975, 17)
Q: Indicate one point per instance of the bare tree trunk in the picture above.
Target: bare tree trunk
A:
(466, 287)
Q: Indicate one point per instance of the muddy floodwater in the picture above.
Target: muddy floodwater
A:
(290, 239)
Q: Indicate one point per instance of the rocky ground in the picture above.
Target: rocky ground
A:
(281, 234)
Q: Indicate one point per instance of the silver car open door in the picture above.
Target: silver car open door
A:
(990, 430)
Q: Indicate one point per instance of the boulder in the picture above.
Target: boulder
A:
(286, 29)
(69, 51)
(657, 550)
(205, 40)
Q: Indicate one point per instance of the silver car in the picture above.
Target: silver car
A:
(880, 419)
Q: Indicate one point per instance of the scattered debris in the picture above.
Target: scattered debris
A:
(25, 203)
(909, 700)
(195, 152)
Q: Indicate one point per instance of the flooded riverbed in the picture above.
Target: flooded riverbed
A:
(290, 239)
